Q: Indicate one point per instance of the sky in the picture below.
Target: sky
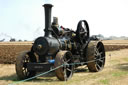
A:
(24, 19)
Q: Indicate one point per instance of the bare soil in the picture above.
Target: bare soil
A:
(10, 50)
(8, 53)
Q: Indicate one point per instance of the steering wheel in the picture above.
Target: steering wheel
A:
(82, 31)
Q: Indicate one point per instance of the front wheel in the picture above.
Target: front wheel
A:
(21, 65)
(64, 58)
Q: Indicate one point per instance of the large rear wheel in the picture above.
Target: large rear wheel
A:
(95, 56)
(21, 65)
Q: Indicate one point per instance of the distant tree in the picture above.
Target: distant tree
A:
(100, 36)
(112, 37)
(20, 40)
(25, 40)
(12, 40)
(2, 40)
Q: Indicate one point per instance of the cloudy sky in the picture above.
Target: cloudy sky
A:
(24, 19)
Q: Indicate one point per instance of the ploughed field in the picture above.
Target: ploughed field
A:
(9, 50)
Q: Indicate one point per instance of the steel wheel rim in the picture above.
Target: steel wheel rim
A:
(99, 56)
(67, 68)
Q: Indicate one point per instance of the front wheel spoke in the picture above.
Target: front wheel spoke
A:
(68, 60)
(63, 61)
(69, 70)
(66, 64)
(65, 74)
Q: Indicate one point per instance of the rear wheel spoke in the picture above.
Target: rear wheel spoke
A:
(100, 54)
(101, 60)
(96, 51)
(98, 65)
(99, 47)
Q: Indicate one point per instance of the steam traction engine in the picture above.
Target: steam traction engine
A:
(61, 46)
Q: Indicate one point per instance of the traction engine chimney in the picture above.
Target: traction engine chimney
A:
(48, 29)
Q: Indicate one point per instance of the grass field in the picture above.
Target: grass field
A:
(115, 72)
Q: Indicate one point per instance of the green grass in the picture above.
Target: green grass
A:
(114, 61)
(125, 59)
(118, 74)
(104, 81)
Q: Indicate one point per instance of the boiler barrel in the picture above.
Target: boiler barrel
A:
(46, 45)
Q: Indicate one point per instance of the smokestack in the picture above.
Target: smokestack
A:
(48, 29)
